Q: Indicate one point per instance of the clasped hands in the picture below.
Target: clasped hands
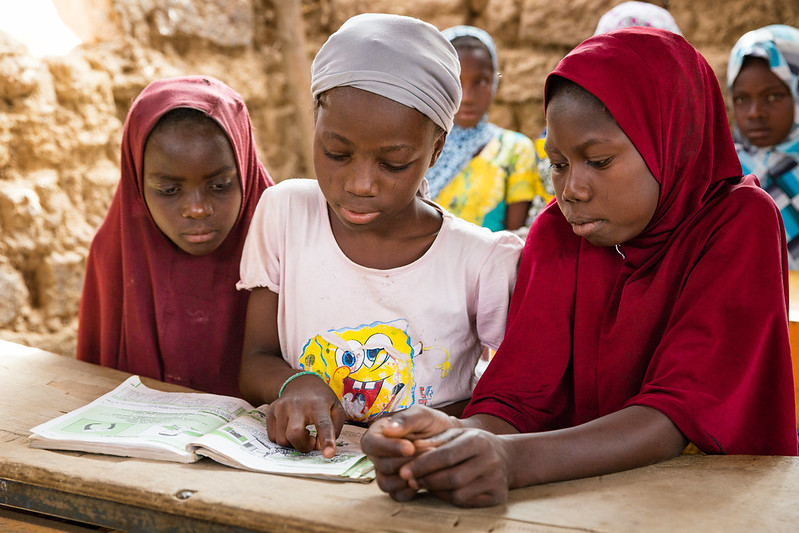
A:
(424, 449)
(416, 449)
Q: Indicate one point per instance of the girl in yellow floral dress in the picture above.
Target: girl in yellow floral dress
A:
(486, 174)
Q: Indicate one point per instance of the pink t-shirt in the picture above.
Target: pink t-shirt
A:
(411, 334)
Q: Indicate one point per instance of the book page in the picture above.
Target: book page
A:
(136, 421)
(244, 443)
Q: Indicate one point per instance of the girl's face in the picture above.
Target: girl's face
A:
(191, 184)
(762, 104)
(477, 78)
(370, 156)
(602, 184)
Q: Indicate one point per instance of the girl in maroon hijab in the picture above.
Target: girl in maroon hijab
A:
(160, 295)
(650, 310)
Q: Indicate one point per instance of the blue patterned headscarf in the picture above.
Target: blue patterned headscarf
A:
(778, 44)
(463, 143)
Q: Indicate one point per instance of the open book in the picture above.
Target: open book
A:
(136, 421)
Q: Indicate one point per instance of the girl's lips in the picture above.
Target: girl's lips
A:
(198, 238)
(354, 217)
(467, 116)
(585, 228)
(757, 133)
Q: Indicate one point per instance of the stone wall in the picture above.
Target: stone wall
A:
(61, 118)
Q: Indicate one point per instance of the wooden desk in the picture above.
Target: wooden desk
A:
(693, 493)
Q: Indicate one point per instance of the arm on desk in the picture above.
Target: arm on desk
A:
(474, 462)
(306, 400)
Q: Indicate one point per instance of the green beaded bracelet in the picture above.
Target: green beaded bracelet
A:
(295, 376)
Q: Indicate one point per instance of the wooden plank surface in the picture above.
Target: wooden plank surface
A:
(696, 493)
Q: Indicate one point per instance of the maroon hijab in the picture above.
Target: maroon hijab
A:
(148, 307)
(692, 318)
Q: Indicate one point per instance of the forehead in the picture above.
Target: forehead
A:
(475, 58)
(755, 70)
(349, 108)
(180, 145)
(575, 110)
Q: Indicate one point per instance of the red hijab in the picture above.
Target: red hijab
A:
(148, 307)
(692, 318)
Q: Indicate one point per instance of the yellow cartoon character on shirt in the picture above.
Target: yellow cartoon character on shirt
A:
(370, 367)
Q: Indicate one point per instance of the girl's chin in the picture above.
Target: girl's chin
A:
(469, 121)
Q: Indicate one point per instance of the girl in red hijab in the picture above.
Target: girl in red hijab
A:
(650, 310)
(160, 296)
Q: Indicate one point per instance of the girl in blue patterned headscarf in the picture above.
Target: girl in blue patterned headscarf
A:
(463, 143)
(763, 78)
(485, 174)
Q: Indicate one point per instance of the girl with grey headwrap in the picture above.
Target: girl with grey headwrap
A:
(367, 298)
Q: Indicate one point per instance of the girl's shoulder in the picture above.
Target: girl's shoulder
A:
(742, 207)
(294, 187)
(459, 233)
(292, 192)
(289, 203)
(748, 195)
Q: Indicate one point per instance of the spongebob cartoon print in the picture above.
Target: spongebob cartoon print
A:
(369, 367)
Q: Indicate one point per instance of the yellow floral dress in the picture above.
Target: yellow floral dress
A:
(502, 173)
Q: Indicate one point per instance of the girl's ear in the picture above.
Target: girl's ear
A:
(438, 147)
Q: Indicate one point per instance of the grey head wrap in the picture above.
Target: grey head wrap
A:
(401, 58)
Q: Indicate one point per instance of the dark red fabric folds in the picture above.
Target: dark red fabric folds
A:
(692, 321)
(148, 307)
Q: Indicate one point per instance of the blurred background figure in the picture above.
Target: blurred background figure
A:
(486, 174)
(762, 77)
(628, 14)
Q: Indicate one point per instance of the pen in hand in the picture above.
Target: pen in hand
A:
(392, 402)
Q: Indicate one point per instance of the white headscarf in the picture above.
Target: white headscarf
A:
(401, 58)
(628, 14)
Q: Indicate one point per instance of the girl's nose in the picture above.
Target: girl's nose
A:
(466, 93)
(197, 206)
(756, 108)
(361, 181)
(575, 186)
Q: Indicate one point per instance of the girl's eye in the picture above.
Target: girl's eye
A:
(335, 156)
(600, 164)
(167, 190)
(775, 97)
(220, 186)
(557, 167)
(396, 168)
(740, 100)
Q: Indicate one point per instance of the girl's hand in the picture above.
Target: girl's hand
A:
(464, 466)
(306, 400)
(391, 442)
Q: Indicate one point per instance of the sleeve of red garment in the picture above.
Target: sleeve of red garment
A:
(526, 385)
(722, 371)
